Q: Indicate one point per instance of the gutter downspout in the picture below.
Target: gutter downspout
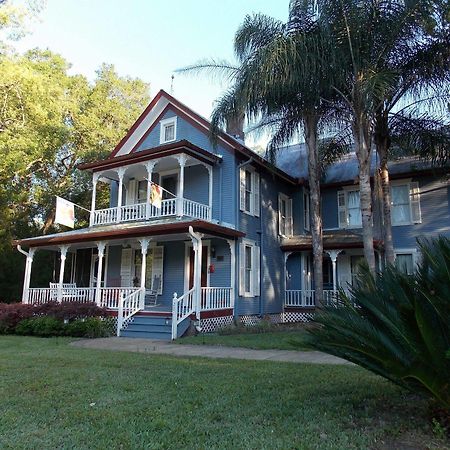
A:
(236, 223)
(197, 244)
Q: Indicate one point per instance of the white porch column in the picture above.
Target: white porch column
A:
(121, 173)
(27, 275)
(210, 190)
(148, 207)
(101, 253)
(63, 250)
(286, 256)
(333, 255)
(232, 245)
(197, 247)
(144, 248)
(182, 161)
(94, 194)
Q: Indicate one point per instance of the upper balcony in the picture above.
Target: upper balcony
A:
(184, 171)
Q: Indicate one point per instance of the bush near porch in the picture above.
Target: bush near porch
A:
(55, 319)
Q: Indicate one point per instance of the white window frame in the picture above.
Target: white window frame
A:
(306, 210)
(341, 208)
(162, 130)
(254, 193)
(414, 196)
(288, 225)
(414, 252)
(255, 277)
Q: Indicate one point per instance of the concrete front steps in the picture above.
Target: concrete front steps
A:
(153, 327)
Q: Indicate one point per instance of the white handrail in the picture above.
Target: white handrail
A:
(182, 307)
(128, 306)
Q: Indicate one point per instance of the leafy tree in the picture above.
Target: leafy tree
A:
(396, 325)
(50, 122)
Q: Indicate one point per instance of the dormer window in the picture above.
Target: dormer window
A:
(168, 131)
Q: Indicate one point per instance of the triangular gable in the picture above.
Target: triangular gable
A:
(151, 117)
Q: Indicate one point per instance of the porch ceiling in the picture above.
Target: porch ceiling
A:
(332, 239)
(163, 230)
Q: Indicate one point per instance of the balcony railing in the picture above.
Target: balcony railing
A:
(146, 211)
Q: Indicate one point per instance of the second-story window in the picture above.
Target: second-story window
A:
(284, 215)
(405, 203)
(168, 131)
(249, 191)
(349, 209)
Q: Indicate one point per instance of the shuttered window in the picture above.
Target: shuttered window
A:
(405, 203)
(349, 209)
(306, 211)
(284, 215)
(249, 192)
(249, 273)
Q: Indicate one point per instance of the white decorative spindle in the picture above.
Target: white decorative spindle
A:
(101, 251)
(120, 173)
(63, 249)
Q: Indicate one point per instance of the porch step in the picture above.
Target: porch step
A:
(149, 327)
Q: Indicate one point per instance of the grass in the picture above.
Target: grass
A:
(281, 340)
(57, 396)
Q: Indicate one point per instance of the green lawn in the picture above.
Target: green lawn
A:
(271, 340)
(57, 396)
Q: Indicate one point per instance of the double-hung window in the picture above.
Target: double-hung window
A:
(405, 203)
(406, 260)
(284, 215)
(168, 130)
(249, 265)
(249, 191)
(349, 209)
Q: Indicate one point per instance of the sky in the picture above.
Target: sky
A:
(148, 39)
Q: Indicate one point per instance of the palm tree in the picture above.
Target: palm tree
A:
(281, 81)
(373, 40)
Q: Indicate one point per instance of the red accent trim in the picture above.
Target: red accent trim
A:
(146, 230)
(151, 128)
(136, 124)
(216, 313)
(299, 309)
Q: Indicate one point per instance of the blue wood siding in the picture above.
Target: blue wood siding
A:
(329, 208)
(222, 264)
(435, 207)
(196, 183)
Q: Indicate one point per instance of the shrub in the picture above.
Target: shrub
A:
(398, 325)
(41, 326)
(91, 327)
(70, 310)
(11, 314)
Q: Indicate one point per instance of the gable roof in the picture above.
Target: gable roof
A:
(154, 111)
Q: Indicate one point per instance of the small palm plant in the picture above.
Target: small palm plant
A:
(396, 325)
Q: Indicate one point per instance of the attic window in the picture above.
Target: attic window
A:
(168, 131)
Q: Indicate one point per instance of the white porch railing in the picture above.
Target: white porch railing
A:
(307, 298)
(146, 211)
(216, 298)
(195, 209)
(128, 306)
(109, 296)
(182, 307)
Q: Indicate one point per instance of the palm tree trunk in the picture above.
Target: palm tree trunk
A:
(310, 128)
(382, 143)
(361, 135)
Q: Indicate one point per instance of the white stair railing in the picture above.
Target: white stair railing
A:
(128, 306)
(182, 307)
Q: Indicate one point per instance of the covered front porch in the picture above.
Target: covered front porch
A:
(342, 256)
(179, 272)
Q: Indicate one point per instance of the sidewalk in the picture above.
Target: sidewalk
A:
(206, 351)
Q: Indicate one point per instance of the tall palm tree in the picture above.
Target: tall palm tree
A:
(281, 81)
(372, 38)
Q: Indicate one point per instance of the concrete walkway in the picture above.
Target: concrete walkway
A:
(207, 351)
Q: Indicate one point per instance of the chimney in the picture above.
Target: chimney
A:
(235, 127)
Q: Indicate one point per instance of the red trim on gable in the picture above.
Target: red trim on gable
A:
(151, 128)
(136, 124)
